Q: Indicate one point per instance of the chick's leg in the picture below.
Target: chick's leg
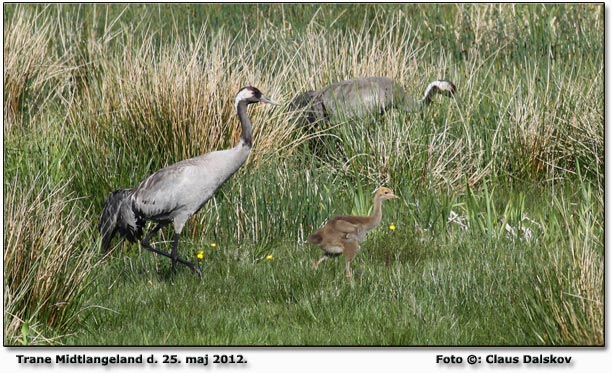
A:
(350, 250)
(316, 264)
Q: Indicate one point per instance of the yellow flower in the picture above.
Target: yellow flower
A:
(213, 245)
(200, 254)
(269, 257)
(392, 227)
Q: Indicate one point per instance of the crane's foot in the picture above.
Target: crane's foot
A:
(197, 270)
(189, 264)
(178, 259)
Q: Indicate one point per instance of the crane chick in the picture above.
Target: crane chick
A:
(356, 97)
(344, 233)
(176, 192)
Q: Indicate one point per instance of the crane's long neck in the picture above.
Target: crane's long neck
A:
(412, 104)
(246, 138)
(376, 215)
(430, 91)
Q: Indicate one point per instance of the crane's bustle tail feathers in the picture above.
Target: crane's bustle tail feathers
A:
(118, 216)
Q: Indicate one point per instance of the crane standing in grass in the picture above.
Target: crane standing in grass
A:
(357, 97)
(174, 193)
(343, 234)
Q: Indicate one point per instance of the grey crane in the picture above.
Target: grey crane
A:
(357, 97)
(176, 192)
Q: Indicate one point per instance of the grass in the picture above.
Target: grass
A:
(43, 276)
(499, 237)
(410, 289)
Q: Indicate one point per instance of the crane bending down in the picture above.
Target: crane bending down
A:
(357, 97)
(174, 193)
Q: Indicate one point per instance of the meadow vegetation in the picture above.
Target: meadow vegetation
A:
(499, 231)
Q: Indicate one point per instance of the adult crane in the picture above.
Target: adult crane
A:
(356, 97)
(176, 192)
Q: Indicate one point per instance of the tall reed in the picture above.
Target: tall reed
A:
(45, 267)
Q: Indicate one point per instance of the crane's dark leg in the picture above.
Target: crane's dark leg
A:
(145, 241)
(174, 255)
(175, 258)
(175, 251)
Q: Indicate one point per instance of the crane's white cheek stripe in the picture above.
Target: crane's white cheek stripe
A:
(444, 85)
(243, 95)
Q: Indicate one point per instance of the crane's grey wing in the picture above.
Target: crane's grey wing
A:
(182, 188)
(156, 197)
(357, 97)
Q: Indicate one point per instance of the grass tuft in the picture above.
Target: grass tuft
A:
(46, 268)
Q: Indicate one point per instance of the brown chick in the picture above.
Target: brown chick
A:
(343, 234)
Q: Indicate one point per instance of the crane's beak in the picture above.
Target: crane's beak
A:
(449, 88)
(268, 100)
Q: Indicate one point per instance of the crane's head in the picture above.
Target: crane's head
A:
(384, 193)
(444, 87)
(252, 95)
